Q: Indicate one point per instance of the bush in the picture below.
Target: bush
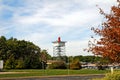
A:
(75, 65)
(9, 64)
(109, 76)
(19, 64)
(100, 67)
(114, 76)
(57, 65)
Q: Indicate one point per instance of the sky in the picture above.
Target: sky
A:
(43, 21)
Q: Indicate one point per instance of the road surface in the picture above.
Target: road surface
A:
(80, 77)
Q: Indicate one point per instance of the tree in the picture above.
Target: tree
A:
(87, 59)
(20, 54)
(3, 48)
(108, 46)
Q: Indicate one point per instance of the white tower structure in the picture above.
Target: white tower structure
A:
(59, 49)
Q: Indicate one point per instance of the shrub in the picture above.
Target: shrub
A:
(57, 65)
(114, 76)
(19, 64)
(100, 67)
(9, 64)
(109, 76)
(75, 65)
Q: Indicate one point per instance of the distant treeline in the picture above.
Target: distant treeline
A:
(80, 58)
(87, 59)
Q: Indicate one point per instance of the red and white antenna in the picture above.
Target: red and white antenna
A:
(59, 39)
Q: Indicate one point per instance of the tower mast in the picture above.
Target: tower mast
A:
(59, 49)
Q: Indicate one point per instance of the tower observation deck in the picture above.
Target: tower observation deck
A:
(59, 49)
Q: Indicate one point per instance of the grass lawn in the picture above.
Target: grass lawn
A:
(48, 72)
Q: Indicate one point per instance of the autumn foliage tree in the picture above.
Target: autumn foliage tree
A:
(108, 46)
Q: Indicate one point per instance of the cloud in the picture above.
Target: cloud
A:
(3, 31)
(55, 16)
(42, 21)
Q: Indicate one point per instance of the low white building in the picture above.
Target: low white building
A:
(1, 64)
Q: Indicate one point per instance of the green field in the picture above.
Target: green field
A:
(48, 72)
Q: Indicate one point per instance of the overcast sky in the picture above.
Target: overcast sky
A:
(43, 21)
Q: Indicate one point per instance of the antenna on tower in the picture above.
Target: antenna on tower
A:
(59, 40)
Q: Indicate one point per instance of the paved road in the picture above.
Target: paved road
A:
(81, 77)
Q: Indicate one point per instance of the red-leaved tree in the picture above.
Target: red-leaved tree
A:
(108, 46)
